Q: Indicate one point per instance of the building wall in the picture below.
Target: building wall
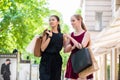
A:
(117, 4)
(97, 14)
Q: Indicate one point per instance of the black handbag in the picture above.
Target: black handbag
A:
(81, 60)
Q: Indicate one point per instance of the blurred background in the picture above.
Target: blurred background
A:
(21, 20)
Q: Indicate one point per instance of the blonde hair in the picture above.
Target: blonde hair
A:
(79, 17)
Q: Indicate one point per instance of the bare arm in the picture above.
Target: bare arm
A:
(86, 39)
(45, 41)
(84, 43)
(67, 46)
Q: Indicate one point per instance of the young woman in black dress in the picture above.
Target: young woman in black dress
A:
(52, 43)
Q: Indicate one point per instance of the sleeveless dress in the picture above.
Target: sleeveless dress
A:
(69, 70)
(51, 61)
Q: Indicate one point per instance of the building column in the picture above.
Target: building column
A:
(96, 74)
(113, 69)
(113, 3)
(100, 70)
(119, 64)
(105, 67)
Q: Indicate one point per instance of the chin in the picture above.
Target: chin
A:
(52, 26)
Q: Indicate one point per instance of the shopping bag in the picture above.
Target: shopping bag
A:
(81, 60)
(31, 45)
(37, 48)
(90, 69)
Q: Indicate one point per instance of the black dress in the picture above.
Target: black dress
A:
(51, 61)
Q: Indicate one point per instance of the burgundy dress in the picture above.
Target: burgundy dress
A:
(69, 70)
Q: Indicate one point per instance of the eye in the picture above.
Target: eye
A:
(53, 20)
(72, 20)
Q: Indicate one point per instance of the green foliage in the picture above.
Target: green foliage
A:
(108, 72)
(65, 57)
(78, 11)
(20, 20)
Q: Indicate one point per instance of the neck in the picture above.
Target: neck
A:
(6, 63)
(54, 30)
(78, 29)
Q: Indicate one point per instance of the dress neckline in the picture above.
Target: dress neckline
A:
(78, 35)
(55, 32)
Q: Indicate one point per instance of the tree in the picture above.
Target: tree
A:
(78, 11)
(20, 20)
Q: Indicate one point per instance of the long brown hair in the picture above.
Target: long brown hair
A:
(79, 17)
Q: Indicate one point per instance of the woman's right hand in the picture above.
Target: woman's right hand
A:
(49, 33)
(46, 40)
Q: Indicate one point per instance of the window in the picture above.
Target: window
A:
(98, 19)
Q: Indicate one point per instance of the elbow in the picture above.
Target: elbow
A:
(66, 51)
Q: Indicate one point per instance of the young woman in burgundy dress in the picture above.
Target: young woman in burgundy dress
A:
(80, 37)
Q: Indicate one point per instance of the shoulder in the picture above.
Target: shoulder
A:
(3, 64)
(61, 34)
(87, 33)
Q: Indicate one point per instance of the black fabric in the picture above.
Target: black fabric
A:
(51, 61)
(81, 60)
(6, 78)
(5, 71)
(55, 44)
(50, 67)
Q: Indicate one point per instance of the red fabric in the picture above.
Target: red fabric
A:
(69, 70)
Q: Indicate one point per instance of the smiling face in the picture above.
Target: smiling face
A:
(53, 21)
(75, 22)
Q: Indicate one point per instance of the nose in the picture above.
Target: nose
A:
(72, 23)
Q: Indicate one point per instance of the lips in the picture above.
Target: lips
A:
(51, 24)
